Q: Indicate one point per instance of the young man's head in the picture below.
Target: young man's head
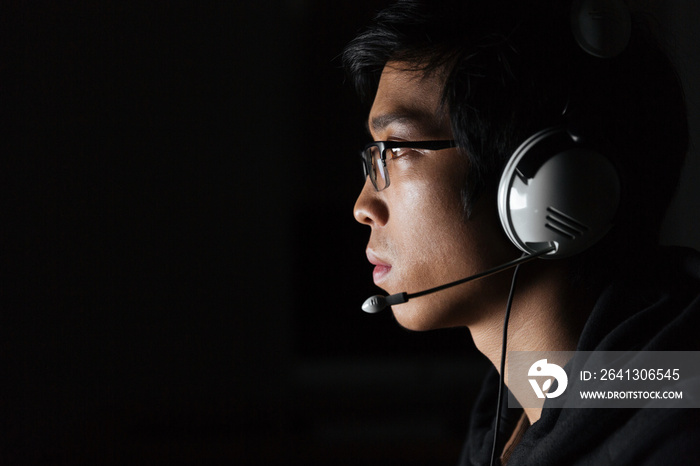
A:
(488, 74)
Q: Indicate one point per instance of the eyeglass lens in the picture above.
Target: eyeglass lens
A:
(377, 168)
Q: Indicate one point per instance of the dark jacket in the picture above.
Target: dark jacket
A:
(654, 311)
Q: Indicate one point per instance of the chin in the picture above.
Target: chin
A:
(420, 317)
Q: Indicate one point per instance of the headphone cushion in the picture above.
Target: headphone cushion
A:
(601, 27)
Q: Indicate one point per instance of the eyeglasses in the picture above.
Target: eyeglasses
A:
(374, 157)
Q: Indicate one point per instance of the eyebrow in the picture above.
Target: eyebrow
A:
(407, 117)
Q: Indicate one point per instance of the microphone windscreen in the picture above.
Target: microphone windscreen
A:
(374, 304)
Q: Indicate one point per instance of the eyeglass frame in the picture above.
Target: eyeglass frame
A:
(383, 146)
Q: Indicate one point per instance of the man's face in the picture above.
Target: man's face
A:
(420, 235)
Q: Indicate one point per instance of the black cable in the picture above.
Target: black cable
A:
(501, 378)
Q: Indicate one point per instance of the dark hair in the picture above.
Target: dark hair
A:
(512, 66)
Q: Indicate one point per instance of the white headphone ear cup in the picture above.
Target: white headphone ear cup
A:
(601, 27)
(553, 191)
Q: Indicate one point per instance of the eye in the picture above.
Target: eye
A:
(397, 152)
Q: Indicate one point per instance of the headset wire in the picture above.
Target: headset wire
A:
(501, 378)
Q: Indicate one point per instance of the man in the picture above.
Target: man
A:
(455, 88)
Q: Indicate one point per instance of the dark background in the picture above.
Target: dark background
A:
(181, 272)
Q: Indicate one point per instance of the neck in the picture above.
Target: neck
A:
(547, 314)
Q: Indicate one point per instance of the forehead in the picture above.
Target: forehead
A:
(408, 98)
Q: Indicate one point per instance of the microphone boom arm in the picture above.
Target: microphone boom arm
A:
(377, 303)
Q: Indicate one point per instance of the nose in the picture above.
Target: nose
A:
(370, 208)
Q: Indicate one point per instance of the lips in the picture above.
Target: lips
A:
(381, 268)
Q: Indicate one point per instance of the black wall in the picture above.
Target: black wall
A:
(181, 273)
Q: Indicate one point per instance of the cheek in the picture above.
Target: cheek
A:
(435, 240)
(430, 226)
(435, 244)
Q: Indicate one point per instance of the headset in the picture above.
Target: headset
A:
(557, 187)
